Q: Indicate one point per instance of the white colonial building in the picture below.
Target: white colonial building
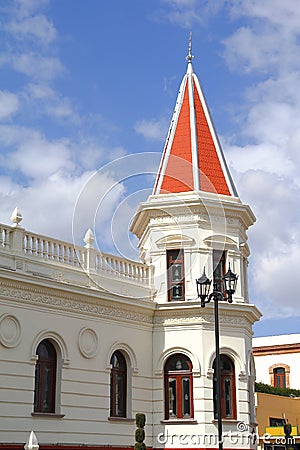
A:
(87, 339)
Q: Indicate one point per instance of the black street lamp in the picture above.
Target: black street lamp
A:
(203, 287)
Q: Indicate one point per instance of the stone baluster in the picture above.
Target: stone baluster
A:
(90, 260)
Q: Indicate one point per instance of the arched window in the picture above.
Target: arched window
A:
(279, 377)
(228, 398)
(118, 385)
(178, 388)
(45, 378)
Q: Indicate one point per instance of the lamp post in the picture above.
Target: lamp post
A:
(203, 287)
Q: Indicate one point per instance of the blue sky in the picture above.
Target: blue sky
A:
(85, 83)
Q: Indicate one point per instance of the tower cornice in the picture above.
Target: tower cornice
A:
(191, 204)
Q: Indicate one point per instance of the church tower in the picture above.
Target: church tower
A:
(193, 220)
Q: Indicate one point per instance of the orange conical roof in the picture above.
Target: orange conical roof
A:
(192, 159)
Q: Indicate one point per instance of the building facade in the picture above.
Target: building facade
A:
(277, 362)
(90, 339)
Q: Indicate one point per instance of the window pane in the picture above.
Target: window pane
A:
(228, 404)
(215, 398)
(177, 291)
(280, 380)
(176, 272)
(177, 362)
(37, 387)
(119, 395)
(218, 268)
(172, 397)
(114, 360)
(46, 389)
(186, 400)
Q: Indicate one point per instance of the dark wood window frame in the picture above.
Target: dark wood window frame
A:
(178, 383)
(45, 378)
(228, 389)
(175, 270)
(279, 377)
(219, 268)
(118, 385)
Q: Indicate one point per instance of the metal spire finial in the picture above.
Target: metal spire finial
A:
(189, 56)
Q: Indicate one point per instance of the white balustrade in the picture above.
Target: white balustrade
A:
(5, 236)
(121, 267)
(50, 249)
(60, 252)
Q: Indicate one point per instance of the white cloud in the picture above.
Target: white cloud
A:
(270, 39)
(9, 104)
(33, 27)
(30, 6)
(38, 158)
(285, 14)
(187, 13)
(37, 66)
(268, 169)
(152, 129)
(27, 44)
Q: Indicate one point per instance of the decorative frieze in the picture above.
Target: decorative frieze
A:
(71, 304)
(172, 317)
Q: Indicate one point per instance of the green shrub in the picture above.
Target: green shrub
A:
(268, 389)
(139, 434)
(139, 446)
(140, 420)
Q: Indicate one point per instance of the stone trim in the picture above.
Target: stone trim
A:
(276, 349)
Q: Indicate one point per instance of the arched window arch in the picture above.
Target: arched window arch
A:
(118, 385)
(228, 396)
(45, 378)
(178, 387)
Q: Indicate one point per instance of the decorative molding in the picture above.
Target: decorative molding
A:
(210, 373)
(243, 376)
(173, 351)
(189, 317)
(58, 342)
(10, 331)
(220, 241)
(177, 240)
(128, 353)
(88, 342)
(94, 307)
(180, 320)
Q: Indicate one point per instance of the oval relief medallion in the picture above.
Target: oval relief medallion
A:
(88, 342)
(10, 331)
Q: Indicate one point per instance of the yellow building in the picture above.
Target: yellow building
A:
(271, 413)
